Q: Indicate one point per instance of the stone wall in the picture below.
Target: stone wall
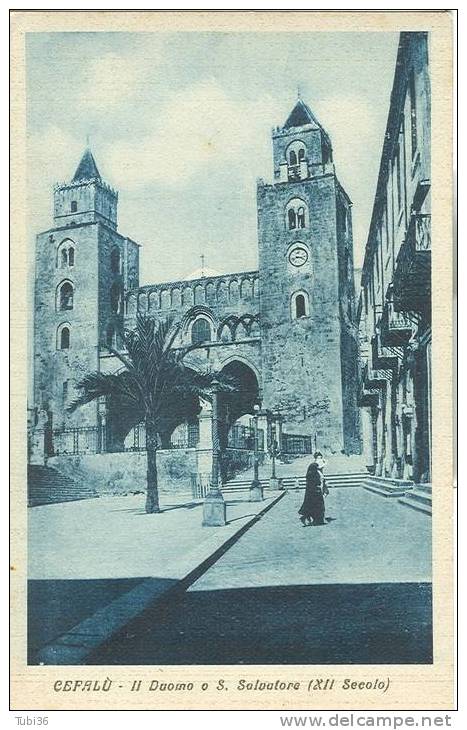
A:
(125, 472)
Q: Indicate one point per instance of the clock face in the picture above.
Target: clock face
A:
(298, 256)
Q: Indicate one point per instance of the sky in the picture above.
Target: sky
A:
(180, 124)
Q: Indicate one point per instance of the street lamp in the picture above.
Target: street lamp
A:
(214, 512)
(256, 490)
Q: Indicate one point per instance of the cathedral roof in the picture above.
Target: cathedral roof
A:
(300, 115)
(87, 168)
(202, 274)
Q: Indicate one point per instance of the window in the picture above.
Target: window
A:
(63, 337)
(413, 114)
(115, 260)
(65, 299)
(301, 154)
(66, 254)
(296, 214)
(299, 305)
(74, 206)
(115, 298)
(65, 392)
(300, 310)
(301, 217)
(292, 158)
(200, 331)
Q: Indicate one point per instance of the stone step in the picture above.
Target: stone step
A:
(387, 487)
(290, 482)
(46, 485)
(419, 498)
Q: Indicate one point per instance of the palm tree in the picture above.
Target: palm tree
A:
(155, 385)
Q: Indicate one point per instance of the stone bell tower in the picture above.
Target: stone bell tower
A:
(307, 298)
(83, 269)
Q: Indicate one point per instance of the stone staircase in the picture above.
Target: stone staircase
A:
(418, 498)
(298, 482)
(49, 486)
(387, 487)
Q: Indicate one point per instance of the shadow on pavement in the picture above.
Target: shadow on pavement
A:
(55, 606)
(378, 623)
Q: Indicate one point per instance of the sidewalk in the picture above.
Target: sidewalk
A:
(95, 564)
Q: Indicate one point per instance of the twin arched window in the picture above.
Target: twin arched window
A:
(66, 254)
(65, 296)
(297, 214)
(300, 305)
(296, 152)
(63, 337)
(200, 331)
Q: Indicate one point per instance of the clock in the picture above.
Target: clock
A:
(298, 256)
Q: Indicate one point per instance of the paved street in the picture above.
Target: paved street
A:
(356, 590)
(85, 554)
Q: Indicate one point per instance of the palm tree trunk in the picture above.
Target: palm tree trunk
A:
(152, 494)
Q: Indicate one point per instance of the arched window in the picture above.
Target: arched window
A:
(115, 260)
(296, 152)
(65, 296)
(74, 206)
(299, 305)
(63, 337)
(296, 214)
(115, 298)
(66, 254)
(200, 331)
(300, 310)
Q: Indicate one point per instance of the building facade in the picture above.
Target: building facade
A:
(287, 330)
(394, 310)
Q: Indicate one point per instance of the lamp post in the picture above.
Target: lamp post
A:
(214, 512)
(273, 481)
(256, 490)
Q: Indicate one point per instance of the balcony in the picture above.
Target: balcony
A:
(368, 395)
(412, 277)
(396, 327)
(382, 358)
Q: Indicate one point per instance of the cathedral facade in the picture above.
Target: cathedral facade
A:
(286, 330)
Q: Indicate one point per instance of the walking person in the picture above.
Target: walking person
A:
(312, 510)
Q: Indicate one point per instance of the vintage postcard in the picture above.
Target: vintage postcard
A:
(232, 478)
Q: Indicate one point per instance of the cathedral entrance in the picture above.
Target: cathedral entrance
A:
(236, 409)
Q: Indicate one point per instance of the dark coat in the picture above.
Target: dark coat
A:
(313, 503)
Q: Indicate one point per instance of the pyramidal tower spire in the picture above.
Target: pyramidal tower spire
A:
(87, 168)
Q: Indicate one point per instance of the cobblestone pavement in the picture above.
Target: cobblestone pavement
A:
(356, 590)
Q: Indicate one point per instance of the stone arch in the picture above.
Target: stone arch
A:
(165, 299)
(296, 214)
(187, 296)
(256, 287)
(66, 253)
(63, 336)
(245, 288)
(64, 296)
(176, 297)
(295, 152)
(131, 303)
(233, 290)
(222, 292)
(153, 301)
(210, 293)
(226, 330)
(199, 294)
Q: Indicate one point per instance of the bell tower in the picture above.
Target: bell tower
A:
(84, 267)
(306, 287)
